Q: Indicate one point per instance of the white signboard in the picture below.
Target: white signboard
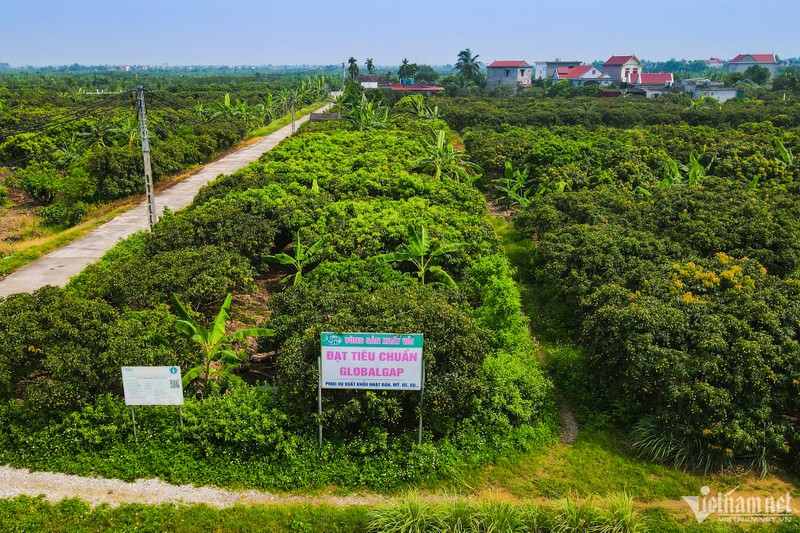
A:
(371, 361)
(152, 385)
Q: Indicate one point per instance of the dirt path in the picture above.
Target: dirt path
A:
(98, 490)
(57, 267)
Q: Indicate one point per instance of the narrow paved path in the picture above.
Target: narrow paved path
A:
(57, 267)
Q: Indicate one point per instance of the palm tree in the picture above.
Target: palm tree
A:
(370, 66)
(352, 69)
(468, 66)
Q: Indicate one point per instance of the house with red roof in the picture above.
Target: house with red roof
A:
(742, 62)
(424, 90)
(545, 69)
(653, 83)
(620, 68)
(715, 62)
(582, 75)
(514, 73)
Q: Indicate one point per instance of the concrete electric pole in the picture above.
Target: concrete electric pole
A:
(148, 171)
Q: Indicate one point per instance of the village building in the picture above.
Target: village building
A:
(546, 69)
(424, 90)
(514, 73)
(654, 84)
(582, 75)
(620, 68)
(374, 81)
(703, 87)
(742, 62)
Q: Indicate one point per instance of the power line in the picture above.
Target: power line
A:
(64, 119)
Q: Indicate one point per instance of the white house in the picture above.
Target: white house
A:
(515, 73)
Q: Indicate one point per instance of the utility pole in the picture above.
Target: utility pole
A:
(291, 100)
(343, 84)
(148, 171)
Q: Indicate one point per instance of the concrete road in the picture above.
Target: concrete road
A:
(57, 267)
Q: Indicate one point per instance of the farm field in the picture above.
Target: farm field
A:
(642, 277)
(70, 148)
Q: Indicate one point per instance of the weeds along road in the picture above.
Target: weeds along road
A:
(57, 267)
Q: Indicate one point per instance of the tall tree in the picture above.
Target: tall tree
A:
(407, 70)
(468, 66)
(352, 69)
(370, 66)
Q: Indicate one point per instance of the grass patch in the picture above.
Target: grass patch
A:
(616, 513)
(23, 514)
(20, 254)
(597, 463)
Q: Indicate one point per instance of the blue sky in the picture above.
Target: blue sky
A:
(237, 32)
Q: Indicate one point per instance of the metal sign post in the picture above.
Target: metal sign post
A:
(421, 401)
(133, 418)
(319, 397)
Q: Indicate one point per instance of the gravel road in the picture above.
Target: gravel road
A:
(97, 490)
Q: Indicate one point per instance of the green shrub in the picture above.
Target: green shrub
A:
(200, 276)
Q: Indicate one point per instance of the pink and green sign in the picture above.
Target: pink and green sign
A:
(383, 361)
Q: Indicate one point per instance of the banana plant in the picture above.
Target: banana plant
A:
(302, 256)
(787, 157)
(367, 115)
(418, 252)
(514, 186)
(218, 357)
(442, 158)
(691, 175)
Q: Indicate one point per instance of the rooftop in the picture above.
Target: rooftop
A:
(508, 64)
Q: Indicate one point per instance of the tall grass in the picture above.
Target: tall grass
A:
(414, 515)
(650, 442)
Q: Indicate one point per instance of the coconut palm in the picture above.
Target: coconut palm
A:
(468, 66)
(370, 66)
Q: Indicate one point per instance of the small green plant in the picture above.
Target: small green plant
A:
(218, 357)
(418, 251)
(412, 515)
(620, 516)
(302, 255)
(514, 186)
(366, 115)
(498, 517)
(690, 175)
(787, 157)
(573, 516)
